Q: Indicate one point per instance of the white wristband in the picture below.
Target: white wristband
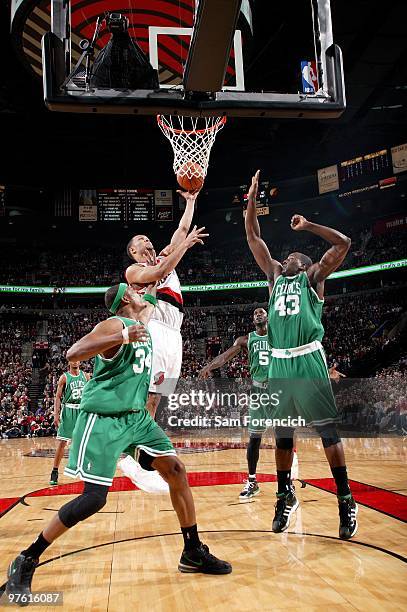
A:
(125, 334)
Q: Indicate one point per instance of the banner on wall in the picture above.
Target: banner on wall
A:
(328, 179)
(391, 223)
(399, 158)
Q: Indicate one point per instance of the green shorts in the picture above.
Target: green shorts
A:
(258, 409)
(67, 422)
(99, 440)
(303, 388)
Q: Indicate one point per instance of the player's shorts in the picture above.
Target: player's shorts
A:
(299, 377)
(258, 408)
(99, 440)
(67, 422)
(167, 357)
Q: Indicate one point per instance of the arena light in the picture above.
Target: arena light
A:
(380, 267)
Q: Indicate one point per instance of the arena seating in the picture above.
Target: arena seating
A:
(364, 337)
(98, 266)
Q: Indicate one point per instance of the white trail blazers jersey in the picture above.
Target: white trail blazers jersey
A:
(169, 309)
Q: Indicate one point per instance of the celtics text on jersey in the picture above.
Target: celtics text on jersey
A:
(73, 388)
(295, 312)
(259, 356)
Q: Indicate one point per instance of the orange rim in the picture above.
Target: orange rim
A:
(221, 121)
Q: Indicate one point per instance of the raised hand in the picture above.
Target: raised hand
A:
(252, 194)
(195, 237)
(299, 223)
(189, 196)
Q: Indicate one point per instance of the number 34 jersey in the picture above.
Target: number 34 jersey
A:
(295, 312)
(120, 384)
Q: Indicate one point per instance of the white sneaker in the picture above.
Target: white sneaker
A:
(151, 482)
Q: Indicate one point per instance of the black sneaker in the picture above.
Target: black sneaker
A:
(53, 480)
(285, 506)
(250, 490)
(348, 525)
(20, 574)
(200, 560)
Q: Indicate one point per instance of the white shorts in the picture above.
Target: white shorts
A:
(167, 357)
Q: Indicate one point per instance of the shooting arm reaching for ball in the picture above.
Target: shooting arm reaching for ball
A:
(185, 222)
(219, 361)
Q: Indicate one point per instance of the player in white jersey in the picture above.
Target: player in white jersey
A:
(166, 320)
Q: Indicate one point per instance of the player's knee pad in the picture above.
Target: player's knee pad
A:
(284, 438)
(91, 501)
(329, 435)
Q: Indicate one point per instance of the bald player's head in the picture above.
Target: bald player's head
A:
(295, 263)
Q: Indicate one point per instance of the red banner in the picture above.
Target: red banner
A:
(391, 223)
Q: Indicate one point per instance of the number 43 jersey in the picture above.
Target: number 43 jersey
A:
(295, 312)
(120, 384)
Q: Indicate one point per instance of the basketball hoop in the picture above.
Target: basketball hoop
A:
(191, 139)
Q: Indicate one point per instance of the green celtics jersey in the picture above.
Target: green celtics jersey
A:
(259, 356)
(295, 312)
(74, 387)
(121, 383)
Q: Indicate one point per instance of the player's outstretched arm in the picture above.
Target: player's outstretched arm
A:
(58, 398)
(150, 274)
(105, 339)
(271, 267)
(219, 361)
(185, 222)
(334, 256)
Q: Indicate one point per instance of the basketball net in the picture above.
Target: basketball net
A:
(191, 139)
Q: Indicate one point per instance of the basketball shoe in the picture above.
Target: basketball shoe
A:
(250, 490)
(348, 525)
(53, 480)
(285, 506)
(200, 560)
(20, 574)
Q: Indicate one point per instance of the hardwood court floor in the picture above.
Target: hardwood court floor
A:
(125, 558)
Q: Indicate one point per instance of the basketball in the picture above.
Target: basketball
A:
(190, 176)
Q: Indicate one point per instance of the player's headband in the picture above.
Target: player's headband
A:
(117, 300)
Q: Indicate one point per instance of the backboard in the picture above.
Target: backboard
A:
(211, 57)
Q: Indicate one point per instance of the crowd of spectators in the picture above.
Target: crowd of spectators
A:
(15, 376)
(219, 263)
(379, 404)
(364, 333)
